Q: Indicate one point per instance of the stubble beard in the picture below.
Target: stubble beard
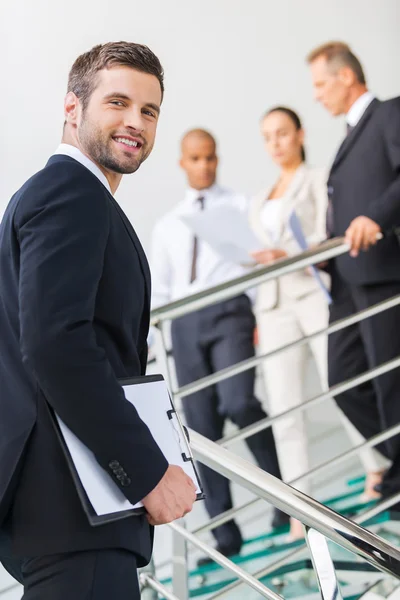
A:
(98, 146)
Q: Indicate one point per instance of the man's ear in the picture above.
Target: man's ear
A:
(347, 76)
(71, 108)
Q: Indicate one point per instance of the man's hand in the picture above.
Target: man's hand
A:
(362, 233)
(266, 257)
(171, 499)
(255, 336)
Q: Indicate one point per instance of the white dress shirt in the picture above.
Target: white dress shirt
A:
(172, 249)
(74, 152)
(358, 109)
(271, 218)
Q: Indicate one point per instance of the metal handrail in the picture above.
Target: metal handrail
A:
(370, 443)
(335, 390)
(315, 516)
(256, 276)
(335, 527)
(282, 561)
(226, 563)
(252, 362)
(147, 580)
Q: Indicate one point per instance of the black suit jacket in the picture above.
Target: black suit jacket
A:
(365, 180)
(74, 317)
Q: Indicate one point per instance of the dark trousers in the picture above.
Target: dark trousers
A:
(374, 405)
(204, 342)
(94, 574)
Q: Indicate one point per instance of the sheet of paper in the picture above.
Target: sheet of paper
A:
(227, 231)
(152, 402)
(300, 238)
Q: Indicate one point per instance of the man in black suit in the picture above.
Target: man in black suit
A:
(74, 316)
(364, 203)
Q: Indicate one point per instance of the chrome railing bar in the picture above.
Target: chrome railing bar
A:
(226, 563)
(347, 534)
(335, 390)
(370, 443)
(382, 506)
(271, 568)
(231, 288)
(281, 562)
(322, 563)
(250, 363)
(147, 580)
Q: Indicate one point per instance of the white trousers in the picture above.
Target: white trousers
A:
(284, 379)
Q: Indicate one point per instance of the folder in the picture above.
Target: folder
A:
(297, 230)
(234, 241)
(101, 497)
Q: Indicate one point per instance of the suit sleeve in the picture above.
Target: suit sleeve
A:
(386, 210)
(63, 233)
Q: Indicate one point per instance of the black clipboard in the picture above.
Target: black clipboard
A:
(186, 454)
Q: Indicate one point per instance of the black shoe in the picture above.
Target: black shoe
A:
(280, 519)
(226, 551)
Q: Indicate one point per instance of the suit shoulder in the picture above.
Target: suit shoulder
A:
(389, 107)
(390, 102)
(64, 172)
(57, 183)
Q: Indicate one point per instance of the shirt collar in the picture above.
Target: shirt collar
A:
(74, 152)
(193, 195)
(358, 108)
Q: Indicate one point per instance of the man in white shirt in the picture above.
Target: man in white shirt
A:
(364, 202)
(212, 338)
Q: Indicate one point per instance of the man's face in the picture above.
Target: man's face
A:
(199, 161)
(331, 87)
(117, 128)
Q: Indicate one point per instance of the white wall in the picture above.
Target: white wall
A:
(226, 61)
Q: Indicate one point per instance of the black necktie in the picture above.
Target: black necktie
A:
(193, 271)
(349, 128)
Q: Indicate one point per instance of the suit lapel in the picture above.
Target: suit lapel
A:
(135, 240)
(138, 246)
(288, 200)
(351, 138)
(291, 196)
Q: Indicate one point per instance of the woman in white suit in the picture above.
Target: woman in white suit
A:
(293, 306)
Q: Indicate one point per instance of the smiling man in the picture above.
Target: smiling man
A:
(74, 317)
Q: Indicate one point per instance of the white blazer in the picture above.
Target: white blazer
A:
(307, 195)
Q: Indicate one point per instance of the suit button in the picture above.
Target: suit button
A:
(125, 481)
(114, 464)
(119, 471)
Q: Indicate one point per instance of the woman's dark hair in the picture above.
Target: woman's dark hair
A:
(293, 116)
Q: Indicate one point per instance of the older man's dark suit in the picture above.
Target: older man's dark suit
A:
(365, 180)
(74, 316)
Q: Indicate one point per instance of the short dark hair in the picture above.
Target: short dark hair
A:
(339, 54)
(293, 116)
(82, 76)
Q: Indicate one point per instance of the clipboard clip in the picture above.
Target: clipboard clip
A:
(170, 414)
